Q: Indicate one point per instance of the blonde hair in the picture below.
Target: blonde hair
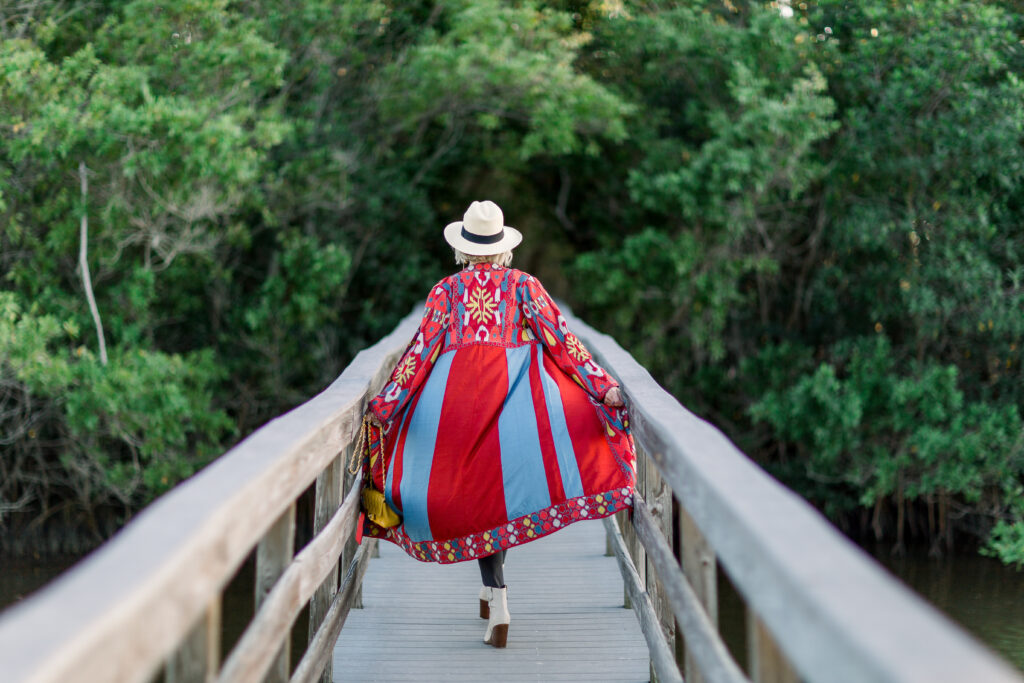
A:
(503, 259)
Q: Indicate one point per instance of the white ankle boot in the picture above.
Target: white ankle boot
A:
(498, 617)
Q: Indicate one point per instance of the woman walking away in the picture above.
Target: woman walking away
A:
(498, 426)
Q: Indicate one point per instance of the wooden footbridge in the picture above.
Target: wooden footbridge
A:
(148, 605)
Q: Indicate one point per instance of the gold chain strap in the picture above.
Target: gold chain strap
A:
(362, 446)
(358, 448)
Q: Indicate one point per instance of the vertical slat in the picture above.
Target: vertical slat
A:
(328, 499)
(197, 660)
(699, 566)
(273, 555)
(659, 499)
(767, 662)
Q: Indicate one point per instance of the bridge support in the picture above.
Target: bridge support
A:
(273, 555)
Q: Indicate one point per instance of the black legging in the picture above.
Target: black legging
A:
(491, 570)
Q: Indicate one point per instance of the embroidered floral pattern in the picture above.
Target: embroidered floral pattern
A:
(481, 306)
(576, 348)
(406, 369)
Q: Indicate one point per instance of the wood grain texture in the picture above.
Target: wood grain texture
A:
(767, 662)
(420, 620)
(835, 612)
(705, 646)
(662, 654)
(699, 567)
(121, 612)
(328, 499)
(273, 555)
(197, 659)
(319, 658)
(253, 655)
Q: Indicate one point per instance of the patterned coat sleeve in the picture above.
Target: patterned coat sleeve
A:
(546, 322)
(414, 366)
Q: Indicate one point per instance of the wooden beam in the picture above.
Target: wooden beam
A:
(700, 568)
(254, 653)
(273, 555)
(328, 499)
(835, 612)
(121, 612)
(767, 662)
(662, 658)
(709, 652)
(198, 657)
(321, 648)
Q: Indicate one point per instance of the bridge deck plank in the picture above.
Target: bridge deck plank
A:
(420, 620)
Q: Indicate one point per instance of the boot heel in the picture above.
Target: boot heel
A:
(485, 610)
(500, 635)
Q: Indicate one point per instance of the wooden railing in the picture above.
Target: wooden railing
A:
(818, 608)
(148, 603)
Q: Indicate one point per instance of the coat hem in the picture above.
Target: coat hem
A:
(515, 532)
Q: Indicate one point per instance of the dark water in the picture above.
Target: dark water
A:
(984, 596)
(981, 594)
(20, 577)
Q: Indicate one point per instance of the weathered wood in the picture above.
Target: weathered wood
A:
(660, 497)
(420, 622)
(198, 657)
(328, 499)
(253, 655)
(836, 614)
(767, 662)
(700, 568)
(709, 652)
(662, 657)
(126, 607)
(350, 548)
(319, 657)
(273, 555)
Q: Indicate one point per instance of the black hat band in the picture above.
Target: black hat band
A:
(482, 239)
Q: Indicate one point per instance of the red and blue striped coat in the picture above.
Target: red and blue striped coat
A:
(496, 431)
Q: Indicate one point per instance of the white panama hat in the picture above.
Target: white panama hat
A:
(482, 232)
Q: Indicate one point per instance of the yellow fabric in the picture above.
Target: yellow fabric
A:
(373, 502)
(377, 509)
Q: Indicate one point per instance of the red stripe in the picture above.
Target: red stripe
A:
(399, 453)
(598, 470)
(547, 442)
(466, 493)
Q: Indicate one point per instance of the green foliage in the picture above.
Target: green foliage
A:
(823, 250)
(126, 430)
(807, 228)
(1007, 543)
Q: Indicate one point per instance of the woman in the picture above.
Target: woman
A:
(499, 426)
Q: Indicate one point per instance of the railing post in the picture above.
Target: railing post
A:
(328, 499)
(700, 569)
(273, 555)
(768, 664)
(659, 500)
(197, 659)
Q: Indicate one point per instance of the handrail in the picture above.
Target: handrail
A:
(820, 608)
(124, 610)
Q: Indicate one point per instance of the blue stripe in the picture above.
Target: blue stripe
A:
(567, 465)
(418, 457)
(522, 465)
(389, 482)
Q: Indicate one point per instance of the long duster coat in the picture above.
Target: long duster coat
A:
(496, 434)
